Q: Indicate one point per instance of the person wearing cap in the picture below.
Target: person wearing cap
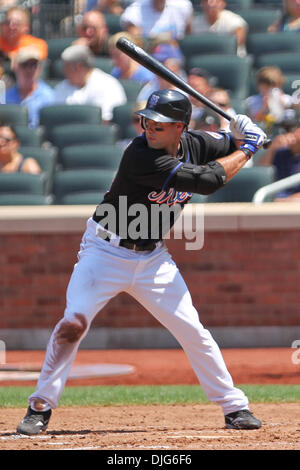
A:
(85, 84)
(30, 90)
(171, 56)
(158, 19)
(15, 34)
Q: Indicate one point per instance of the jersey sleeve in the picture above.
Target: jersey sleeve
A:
(209, 146)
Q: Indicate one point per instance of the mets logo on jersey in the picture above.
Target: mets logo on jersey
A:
(169, 197)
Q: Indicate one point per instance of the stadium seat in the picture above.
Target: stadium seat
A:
(21, 199)
(207, 43)
(259, 19)
(23, 183)
(91, 156)
(61, 114)
(242, 187)
(46, 158)
(122, 116)
(71, 183)
(113, 23)
(57, 45)
(75, 134)
(198, 198)
(288, 62)
(231, 71)
(131, 89)
(269, 43)
(28, 136)
(235, 5)
(13, 114)
(88, 197)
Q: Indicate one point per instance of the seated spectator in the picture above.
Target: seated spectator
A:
(203, 82)
(221, 98)
(15, 34)
(127, 68)
(158, 20)
(284, 154)
(114, 7)
(92, 31)
(216, 19)
(290, 18)
(30, 90)
(85, 84)
(269, 104)
(11, 160)
(171, 56)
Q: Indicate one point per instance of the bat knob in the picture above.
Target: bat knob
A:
(267, 143)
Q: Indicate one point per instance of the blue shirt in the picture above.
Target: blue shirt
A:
(141, 74)
(42, 96)
(286, 164)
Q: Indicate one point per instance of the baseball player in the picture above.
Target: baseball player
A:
(169, 163)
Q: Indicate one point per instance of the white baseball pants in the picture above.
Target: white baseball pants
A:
(153, 279)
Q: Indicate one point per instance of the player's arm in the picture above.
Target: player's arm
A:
(207, 178)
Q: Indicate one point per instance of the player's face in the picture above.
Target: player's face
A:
(159, 135)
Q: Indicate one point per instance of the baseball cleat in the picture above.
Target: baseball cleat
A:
(34, 422)
(242, 419)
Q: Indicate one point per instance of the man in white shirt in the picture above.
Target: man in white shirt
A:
(216, 19)
(85, 84)
(158, 19)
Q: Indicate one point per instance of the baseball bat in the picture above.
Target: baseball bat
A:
(148, 61)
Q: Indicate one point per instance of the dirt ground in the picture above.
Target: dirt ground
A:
(172, 427)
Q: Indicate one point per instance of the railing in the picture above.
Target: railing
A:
(266, 193)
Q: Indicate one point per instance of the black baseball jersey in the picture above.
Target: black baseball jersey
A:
(148, 179)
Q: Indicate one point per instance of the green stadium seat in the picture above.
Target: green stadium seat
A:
(235, 5)
(23, 183)
(231, 71)
(75, 134)
(198, 199)
(270, 43)
(20, 199)
(131, 89)
(46, 158)
(259, 19)
(243, 186)
(79, 183)
(88, 197)
(288, 62)
(122, 117)
(113, 23)
(13, 114)
(91, 156)
(61, 114)
(57, 45)
(28, 136)
(207, 43)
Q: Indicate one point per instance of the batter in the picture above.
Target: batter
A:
(165, 165)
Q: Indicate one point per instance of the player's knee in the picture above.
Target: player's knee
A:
(70, 331)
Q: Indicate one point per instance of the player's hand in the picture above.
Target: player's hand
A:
(252, 136)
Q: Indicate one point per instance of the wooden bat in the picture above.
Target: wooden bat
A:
(148, 61)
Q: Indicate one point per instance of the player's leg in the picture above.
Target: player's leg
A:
(162, 290)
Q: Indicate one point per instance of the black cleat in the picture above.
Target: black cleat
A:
(242, 419)
(34, 422)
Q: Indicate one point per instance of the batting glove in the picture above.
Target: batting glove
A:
(244, 129)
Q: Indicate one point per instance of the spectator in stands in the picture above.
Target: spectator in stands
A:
(284, 154)
(269, 104)
(135, 125)
(113, 7)
(217, 19)
(93, 32)
(15, 34)
(11, 160)
(171, 56)
(85, 84)
(290, 18)
(30, 90)
(158, 20)
(203, 82)
(125, 67)
(221, 98)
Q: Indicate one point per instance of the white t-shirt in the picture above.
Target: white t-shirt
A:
(173, 19)
(101, 89)
(227, 22)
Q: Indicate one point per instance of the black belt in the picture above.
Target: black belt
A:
(150, 246)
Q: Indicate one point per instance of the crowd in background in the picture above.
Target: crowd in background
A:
(157, 26)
